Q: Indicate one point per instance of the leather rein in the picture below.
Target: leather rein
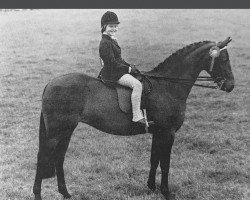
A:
(187, 81)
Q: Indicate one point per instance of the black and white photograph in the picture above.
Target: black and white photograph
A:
(124, 104)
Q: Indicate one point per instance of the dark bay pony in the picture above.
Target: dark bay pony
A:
(73, 98)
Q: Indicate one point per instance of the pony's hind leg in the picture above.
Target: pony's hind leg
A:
(60, 156)
(45, 165)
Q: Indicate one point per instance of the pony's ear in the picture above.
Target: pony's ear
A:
(224, 43)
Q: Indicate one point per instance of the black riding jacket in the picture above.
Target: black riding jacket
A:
(114, 66)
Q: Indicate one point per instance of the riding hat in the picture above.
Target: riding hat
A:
(109, 18)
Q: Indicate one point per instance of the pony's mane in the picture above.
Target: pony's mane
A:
(179, 54)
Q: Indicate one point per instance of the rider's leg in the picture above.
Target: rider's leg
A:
(129, 81)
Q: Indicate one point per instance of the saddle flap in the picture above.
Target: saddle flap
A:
(124, 98)
(124, 95)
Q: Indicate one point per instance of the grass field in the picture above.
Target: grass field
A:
(210, 156)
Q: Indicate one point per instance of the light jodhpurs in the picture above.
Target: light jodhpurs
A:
(129, 81)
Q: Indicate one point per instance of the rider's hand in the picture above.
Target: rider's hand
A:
(134, 70)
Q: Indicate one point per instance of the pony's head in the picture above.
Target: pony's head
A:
(217, 64)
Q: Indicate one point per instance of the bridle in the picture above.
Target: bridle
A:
(214, 52)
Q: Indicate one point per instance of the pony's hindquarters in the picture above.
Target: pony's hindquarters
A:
(52, 148)
(62, 103)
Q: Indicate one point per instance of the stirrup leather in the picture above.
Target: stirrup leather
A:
(148, 123)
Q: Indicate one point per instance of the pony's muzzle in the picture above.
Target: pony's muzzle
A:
(226, 85)
(230, 88)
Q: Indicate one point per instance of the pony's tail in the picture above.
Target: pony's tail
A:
(44, 164)
(42, 132)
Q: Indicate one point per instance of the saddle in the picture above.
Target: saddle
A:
(124, 93)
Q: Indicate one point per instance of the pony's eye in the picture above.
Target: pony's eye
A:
(225, 57)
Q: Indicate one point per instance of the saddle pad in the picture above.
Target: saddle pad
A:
(124, 98)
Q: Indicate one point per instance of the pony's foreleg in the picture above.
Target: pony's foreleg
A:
(154, 161)
(60, 153)
(166, 143)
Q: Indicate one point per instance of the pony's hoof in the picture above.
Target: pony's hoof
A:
(165, 192)
(67, 196)
(38, 197)
(151, 186)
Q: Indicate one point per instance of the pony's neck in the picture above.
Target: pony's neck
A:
(185, 64)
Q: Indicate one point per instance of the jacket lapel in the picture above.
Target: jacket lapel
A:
(112, 40)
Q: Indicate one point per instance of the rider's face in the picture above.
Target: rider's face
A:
(111, 29)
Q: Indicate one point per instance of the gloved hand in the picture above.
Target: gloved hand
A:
(134, 70)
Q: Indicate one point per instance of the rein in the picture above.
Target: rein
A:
(205, 78)
(179, 81)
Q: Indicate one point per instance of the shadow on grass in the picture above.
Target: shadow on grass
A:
(124, 191)
(132, 189)
(225, 175)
